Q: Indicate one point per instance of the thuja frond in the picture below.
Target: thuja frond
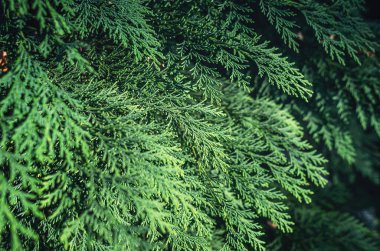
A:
(131, 125)
(356, 236)
(336, 25)
(232, 45)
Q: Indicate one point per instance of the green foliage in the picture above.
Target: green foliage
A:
(335, 23)
(341, 232)
(131, 125)
(342, 119)
(354, 93)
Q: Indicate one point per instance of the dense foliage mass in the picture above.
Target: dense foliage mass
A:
(186, 125)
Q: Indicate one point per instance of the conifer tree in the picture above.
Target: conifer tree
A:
(183, 125)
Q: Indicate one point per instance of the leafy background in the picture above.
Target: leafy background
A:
(343, 124)
(186, 125)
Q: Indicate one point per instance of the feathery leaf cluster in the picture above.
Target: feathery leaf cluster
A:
(131, 125)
